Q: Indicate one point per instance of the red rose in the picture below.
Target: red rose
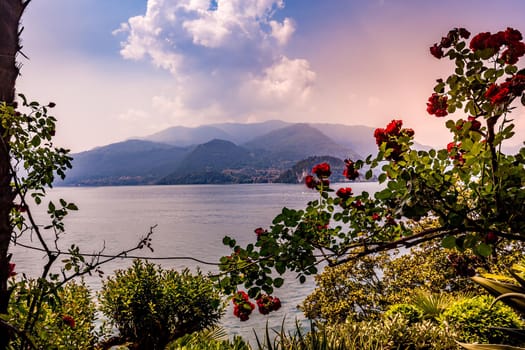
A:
(478, 42)
(394, 127)
(495, 41)
(380, 136)
(259, 231)
(512, 35)
(437, 105)
(375, 216)
(344, 193)
(497, 94)
(464, 33)
(310, 182)
(437, 51)
(322, 170)
(475, 125)
(513, 52)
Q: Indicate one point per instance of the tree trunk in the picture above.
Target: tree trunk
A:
(10, 14)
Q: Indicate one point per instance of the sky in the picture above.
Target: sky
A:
(119, 69)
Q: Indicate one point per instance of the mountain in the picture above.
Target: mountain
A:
(242, 133)
(129, 162)
(183, 136)
(212, 162)
(218, 153)
(299, 141)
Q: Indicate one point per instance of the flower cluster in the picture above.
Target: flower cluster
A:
(506, 91)
(390, 135)
(350, 172)
(437, 105)
(323, 172)
(267, 304)
(242, 306)
(452, 37)
(510, 38)
(344, 193)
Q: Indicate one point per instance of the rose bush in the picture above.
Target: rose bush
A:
(471, 188)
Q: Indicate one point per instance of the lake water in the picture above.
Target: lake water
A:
(190, 221)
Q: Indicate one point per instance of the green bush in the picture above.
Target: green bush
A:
(151, 307)
(410, 312)
(65, 319)
(385, 334)
(476, 320)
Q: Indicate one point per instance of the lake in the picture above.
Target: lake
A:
(190, 221)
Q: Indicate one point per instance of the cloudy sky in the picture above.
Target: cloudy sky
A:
(125, 68)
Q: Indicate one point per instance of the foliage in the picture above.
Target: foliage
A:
(470, 188)
(64, 321)
(476, 320)
(208, 340)
(364, 288)
(151, 306)
(409, 312)
(35, 162)
(395, 333)
(511, 294)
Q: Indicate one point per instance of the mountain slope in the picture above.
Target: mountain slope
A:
(183, 136)
(128, 162)
(207, 163)
(299, 141)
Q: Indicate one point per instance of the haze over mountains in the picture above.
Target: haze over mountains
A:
(218, 153)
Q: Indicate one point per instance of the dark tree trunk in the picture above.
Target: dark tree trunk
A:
(10, 14)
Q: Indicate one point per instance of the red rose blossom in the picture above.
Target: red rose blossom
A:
(322, 170)
(310, 182)
(475, 125)
(497, 94)
(375, 216)
(259, 231)
(344, 193)
(437, 51)
(437, 105)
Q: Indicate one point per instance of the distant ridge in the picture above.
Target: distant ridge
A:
(218, 153)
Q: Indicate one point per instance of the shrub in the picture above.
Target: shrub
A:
(65, 320)
(409, 312)
(476, 320)
(150, 306)
(386, 334)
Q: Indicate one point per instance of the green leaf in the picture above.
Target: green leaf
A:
(449, 242)
(484, 249)
(278, 282)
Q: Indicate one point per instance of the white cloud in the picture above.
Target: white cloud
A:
(282, 32)
(226, 58)
(288, 80)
